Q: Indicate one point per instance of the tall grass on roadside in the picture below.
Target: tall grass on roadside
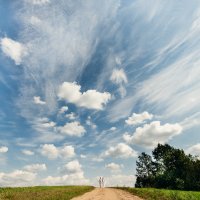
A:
(162, 194)
(43, 192)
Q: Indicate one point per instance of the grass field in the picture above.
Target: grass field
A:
(157, 194)
(43, 192)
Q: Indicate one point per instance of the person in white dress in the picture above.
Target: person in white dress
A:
(100, 182)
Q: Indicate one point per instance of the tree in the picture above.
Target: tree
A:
(145, 171)
(168, 167)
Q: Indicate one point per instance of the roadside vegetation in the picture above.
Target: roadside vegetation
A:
(168, 168)
(162, 194)
(43, 192)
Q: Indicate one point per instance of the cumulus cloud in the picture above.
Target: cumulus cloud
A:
(48, 124)
(71, 179)
(53, 152)
(114, 167)
(120, 180)
(72, 167)
(3, 149)
(194, 150)
(37, 100)
(121, 150)
(71, 116)
(119, 78)
(13, 49)
(35, 167)
(17, 178)
(72, 129)
(67, 151)
(43, 123)
(50, 151)
(151, 134)
(73, 175)
(28, 152)
(138, 118)
(90, 123)
(90, 99)
(113, 128)
(63, 109)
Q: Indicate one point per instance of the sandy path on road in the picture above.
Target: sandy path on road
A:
(107, 194)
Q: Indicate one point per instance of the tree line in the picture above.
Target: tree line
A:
(168, 168)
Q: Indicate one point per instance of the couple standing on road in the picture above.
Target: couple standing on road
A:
(101, 182)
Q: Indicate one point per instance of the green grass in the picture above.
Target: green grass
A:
(43, 192)
(158, 194)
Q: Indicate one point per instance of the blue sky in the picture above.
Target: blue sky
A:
(85, 86)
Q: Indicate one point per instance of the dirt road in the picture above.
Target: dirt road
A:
(107, 194)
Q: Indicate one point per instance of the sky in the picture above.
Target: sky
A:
(87, 85)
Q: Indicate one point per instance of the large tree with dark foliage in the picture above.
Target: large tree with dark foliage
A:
(168, 167)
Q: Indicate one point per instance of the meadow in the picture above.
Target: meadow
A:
(43, 192)
(163, 194)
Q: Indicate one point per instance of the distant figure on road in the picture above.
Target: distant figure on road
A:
(100, 182)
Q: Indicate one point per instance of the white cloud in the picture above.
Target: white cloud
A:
(48, 124)
(38, 2)
(151, 134)
(90, 99)
(96, 159)
(121, 108)
(73, 175)
(70, 47)
(50, 151)
(90, 123)
(114, 167)
(174, 99)
(121, 150)
(83, 156)
(34, 20)
(138, 118)
(194, 150)
(3, 149)
(35, 167)
(43, 123)
(28, 152)
(118, 76)
(120, 180)
(71, 116)
(13, 49)
(72, 167)
(191, 121)
(71, 179)
(53, 152)
(113, 128)
(72, 129)
(17, 178)
(46, 131)
(67, 151)
(63, 109)
(37, 100)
